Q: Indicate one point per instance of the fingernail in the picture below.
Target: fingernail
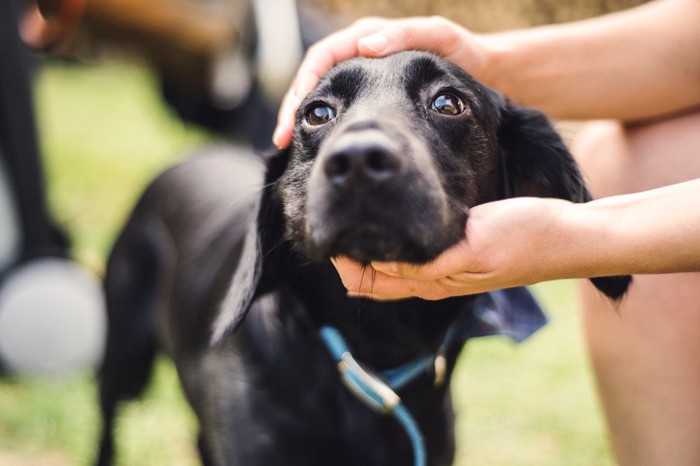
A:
(354, 294)
(375, 43)
(276, 136)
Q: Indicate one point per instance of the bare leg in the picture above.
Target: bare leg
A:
(646, 354)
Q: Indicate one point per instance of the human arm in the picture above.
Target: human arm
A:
(635, 64)
(528, 240)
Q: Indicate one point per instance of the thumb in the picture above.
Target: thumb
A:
(397, 269)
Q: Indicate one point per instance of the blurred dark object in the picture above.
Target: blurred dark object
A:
(19, 153)
(51, 315)
(223, 64)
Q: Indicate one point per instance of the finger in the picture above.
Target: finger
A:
(434, 34)
(350, 271)
(362, 281)
(282, 136)
(376, 296)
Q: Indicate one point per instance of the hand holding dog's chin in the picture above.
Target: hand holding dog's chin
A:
(376, 37)
(508, 243)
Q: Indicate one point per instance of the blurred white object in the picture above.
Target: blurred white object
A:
(280, 48)
(52, 318)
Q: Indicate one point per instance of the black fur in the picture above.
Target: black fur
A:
(228, 271)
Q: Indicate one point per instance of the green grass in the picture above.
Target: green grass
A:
(105, 134)
(534, 403)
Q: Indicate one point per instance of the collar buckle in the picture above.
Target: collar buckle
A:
(368, 388)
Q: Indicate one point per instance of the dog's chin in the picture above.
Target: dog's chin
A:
(371, 243)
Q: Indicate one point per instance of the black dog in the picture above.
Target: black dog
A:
(388, 157)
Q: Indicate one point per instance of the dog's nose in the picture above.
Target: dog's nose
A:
(362, 164)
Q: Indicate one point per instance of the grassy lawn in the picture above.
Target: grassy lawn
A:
(105, 134)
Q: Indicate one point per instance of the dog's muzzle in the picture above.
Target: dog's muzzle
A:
(362, 160)
(374, 194)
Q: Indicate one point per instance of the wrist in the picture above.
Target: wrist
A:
(564, 249)
(514, 63)
(594, 240)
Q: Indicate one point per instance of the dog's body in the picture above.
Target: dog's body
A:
(387, 159)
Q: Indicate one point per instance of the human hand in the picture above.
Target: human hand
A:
(375, 37)
(508, 243)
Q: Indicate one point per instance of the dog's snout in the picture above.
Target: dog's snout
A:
(362, 164)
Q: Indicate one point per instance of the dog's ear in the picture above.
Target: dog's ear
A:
(263, 235)
(536, 162)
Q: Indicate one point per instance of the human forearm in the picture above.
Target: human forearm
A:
(635, 64)
(655, 231)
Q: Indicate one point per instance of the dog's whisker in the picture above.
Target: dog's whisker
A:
(272, 248)
(362, 276)
(373, 279)
(250, 194)
(361, 304)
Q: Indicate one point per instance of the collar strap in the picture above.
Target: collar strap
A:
(395, 378)
(367, 387)
(374, 392)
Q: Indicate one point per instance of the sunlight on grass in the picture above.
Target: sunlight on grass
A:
(160, 430)
(531, 404)
(105, 134)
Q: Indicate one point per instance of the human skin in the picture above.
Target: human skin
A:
(639, 67)
(644, 350)
(553, 239)
(604, 67)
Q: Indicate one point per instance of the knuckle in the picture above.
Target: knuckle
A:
(432, 295)
(445, 288)
(439, 22)
(315, 50)
(436, 20)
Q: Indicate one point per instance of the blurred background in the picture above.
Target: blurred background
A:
(128, 87)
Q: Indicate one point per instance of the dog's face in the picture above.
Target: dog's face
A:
(388, 156)
(387, 159)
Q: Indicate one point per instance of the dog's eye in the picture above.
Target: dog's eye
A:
(447, 104)
(319, 114)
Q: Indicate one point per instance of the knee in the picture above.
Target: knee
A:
(618, 159)
(601, 149)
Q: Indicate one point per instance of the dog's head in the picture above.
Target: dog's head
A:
(389, 155)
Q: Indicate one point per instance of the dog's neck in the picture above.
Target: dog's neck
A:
(382, 334)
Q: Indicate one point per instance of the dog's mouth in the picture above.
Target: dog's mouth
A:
(367, 243)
